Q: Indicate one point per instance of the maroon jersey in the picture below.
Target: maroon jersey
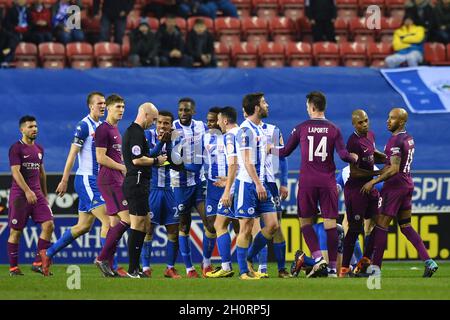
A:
(400, 145)
(364, 147)
(108, 136)
(318, 138)
(30, 159)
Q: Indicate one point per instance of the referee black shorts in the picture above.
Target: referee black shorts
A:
(137, 192)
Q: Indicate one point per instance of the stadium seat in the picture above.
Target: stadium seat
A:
(132, 22)
(326, 54)
(282, 30)
(139, 4)
(243, 7)
(244, 55)
(228, 30)
(347, 9)
(125, 48)
(107, 54)
(353, 54)
(448, 52)
(388, 27)
(299, 54)
(208, 22)
(293, 9)
(305, 29)
(377, 53)
(341, 30)
(26, 56)
(265, 9)
(52, 55)
(396, 8)
(360, 32)
(90, 24)
(222, 52)
(181, 24)
(271, 55)
(255, 30)
(80, 55)
(435, 54)
(153, 23)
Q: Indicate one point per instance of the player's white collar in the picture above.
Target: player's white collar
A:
(90, 118)
(319, 118)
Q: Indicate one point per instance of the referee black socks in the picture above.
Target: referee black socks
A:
(135, 243)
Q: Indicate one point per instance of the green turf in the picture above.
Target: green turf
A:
(399, 281)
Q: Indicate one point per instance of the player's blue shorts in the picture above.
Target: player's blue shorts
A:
(89, 196)
(322, 236)
(246, 202)
(188, 197)
(225, 211)
(213, 195)
(163, 208)
(273, 188)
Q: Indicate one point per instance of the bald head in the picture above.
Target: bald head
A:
(397, 119)
(360, 121)
(401, 113)
(147, 114)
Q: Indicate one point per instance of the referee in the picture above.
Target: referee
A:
(136, 185)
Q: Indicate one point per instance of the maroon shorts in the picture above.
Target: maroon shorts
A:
(392, 201)
(309, 199)
(360, 206)
(114, 199)
(20, 210)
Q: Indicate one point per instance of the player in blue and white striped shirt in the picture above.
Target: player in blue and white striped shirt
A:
(91, 205)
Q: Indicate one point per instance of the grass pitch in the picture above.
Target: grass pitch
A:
(400, 280)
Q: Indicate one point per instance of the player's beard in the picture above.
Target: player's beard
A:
(32, 137)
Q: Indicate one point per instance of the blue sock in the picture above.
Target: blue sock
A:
(61, 243)
(146, 254)
(280, 254)
(242, 259)
(258, 243)
(309, 262)
(185, 249)
(357, 252)
(262, 259)
(208, 246)
(171, 253)
(224, 245)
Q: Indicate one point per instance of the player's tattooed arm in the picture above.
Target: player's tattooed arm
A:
(379, 157)
(386, 173)
(18, 177)
(43, 180)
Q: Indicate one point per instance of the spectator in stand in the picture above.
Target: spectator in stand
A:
(442, 15)
(171, 40)
(321, 14)
(144, 47)
(8, 43)
(18, 21)
(60, 15)
(189, 8)
(200, 45)
(408, 45)
(160, 8)
(41, 23)
(227, 7)
(422, 14)
(114, 12)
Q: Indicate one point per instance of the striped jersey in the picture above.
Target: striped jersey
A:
(84, 137)
(273, 135)
(160, 175)
(191, 139)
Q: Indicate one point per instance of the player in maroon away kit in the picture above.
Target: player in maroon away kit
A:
(396, 195)
(318, 138)
(28, 195)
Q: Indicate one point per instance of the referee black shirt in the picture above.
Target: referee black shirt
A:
(135, 146)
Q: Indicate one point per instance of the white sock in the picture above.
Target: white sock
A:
(226, 266)
(206, 262)
(189, 269)
(145, 269)
(169, 267)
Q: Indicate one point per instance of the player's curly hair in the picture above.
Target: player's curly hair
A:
(187, 99)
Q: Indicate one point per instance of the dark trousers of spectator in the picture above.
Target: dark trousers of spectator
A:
(75, 35)
(159, 10)
(323, 30)
(135, 60)
(6, 60)
(443, 35)
(119, 23)
(185, 61)
(40, 37)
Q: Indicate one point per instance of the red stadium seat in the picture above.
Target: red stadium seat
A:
(396, 8)
(90, 24)
(377, 53)
(282, 30)
(139, 4)
(388, 27)
(107, 54)
(245, 55)
(255, 30)
(341, 30)
(26, 56)
(266, 9)
(293, 9)
(243, 7)
(181, 24)
(132, 22)
(125, 49)
(80, 55)
(448, 52)
(52, 55)
(222, 55)
(347, 9)
(228, 30)
(6, 3)
(326, 54)
(360, 32)
(299, 54)
(353, 54)
(305, 28)
(435, 54)
(208, 22)
(272, 55)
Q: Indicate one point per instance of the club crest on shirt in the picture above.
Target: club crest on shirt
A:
(40, 156)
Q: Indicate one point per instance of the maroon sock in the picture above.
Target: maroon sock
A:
(311, 240)
(349, 247)
(42, 244)
(332, 245)
(368, 247)
(112, 239)
(13, 254)
(416, 241)
(380, 242)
